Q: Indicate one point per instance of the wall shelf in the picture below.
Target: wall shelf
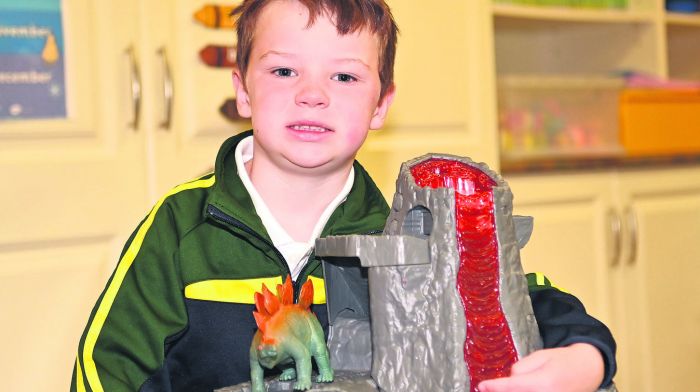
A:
(586, 82)
(680, 19)
(567, 14)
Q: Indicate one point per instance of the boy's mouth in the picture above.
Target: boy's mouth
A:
(306, 127)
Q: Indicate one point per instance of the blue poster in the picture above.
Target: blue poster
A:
(32, 67)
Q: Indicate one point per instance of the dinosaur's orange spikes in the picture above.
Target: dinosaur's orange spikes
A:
(272, 303)
(260, 320)
(260, 305)
(286, 292)
(280, 288)
(306, 297)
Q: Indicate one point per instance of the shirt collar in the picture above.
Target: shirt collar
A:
(280, 238)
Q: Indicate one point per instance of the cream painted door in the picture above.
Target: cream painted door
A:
(186, 127)
(72, 191)
(661, 278)
(579, 241)
(626, 245)
(573, 242)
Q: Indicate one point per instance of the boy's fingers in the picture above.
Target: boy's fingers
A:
(530, 363)
(509, 384)
(494, 385)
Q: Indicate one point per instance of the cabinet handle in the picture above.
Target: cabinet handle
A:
(168, 91)
(632, 228)
(135, 87)
(616, 229)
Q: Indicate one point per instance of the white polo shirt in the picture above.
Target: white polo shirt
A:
(295, 253)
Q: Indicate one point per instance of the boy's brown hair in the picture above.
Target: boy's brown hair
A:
(349, 15)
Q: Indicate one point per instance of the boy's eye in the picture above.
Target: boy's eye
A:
(284, 72)
(343, 77)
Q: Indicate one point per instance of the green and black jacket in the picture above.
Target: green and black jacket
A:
(176, 314)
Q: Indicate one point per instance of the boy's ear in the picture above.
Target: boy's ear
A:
(242, 98)
(382, 109)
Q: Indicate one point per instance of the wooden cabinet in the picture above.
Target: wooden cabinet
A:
(72, 190)
(75, 188)
(144, 116)
(184, 124)
(570, 242)
(658, 278)
(620, 239)
(625, 243)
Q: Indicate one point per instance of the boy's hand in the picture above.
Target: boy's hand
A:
(575, 368)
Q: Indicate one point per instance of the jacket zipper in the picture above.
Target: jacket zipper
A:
(222, 216)
(219, 215)
(313, 255)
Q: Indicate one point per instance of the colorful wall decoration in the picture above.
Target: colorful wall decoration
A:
(218, 17)
(32, 67)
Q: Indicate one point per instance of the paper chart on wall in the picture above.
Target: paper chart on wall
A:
(32, 66)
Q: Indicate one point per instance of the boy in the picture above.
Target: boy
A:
(314, 76)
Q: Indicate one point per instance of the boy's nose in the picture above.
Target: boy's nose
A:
(311, 95)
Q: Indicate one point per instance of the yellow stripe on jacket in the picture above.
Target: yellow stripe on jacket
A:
(242, 291)
(119, 274)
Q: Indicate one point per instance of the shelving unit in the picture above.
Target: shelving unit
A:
(553, 42)
(563, 46)
(571, 14)
(607, 231)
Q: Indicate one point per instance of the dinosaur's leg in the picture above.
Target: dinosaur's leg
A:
(289, 373)
(320, 353)
(302, 361)
(257, 376)
(257, 380)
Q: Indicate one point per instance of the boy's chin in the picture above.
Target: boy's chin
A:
(319, 165)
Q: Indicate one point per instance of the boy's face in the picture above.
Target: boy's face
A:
(312, 94)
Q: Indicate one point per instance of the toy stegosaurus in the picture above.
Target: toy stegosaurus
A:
(289, 335)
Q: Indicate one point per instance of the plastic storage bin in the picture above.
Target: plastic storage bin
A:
(655, 122)
(545, 117)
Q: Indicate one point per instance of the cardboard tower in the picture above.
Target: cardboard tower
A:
(446, 293)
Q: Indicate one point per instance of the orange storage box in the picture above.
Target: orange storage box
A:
(657, 122)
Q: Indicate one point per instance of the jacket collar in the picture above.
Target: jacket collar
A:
(364, 209)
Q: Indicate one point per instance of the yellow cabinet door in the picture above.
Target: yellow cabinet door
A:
(73, 188)
(573, 239)
(578, 242)
(661, 278)
(183, 118)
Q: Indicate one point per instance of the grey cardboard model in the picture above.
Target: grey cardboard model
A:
(418, 320)
(418, 323)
